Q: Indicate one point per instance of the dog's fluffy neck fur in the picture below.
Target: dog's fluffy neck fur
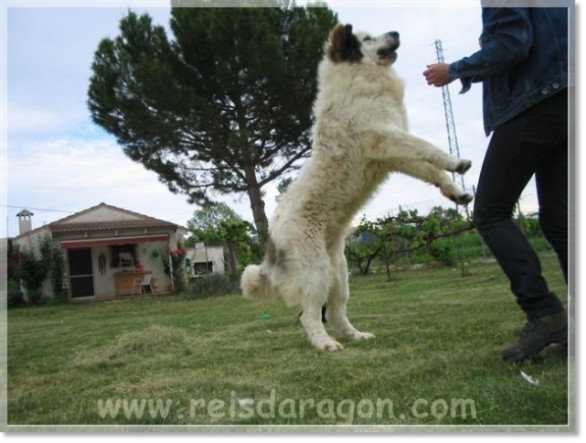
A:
(329, 71)
(352, 76)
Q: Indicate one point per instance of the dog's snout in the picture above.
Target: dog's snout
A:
(394, 36)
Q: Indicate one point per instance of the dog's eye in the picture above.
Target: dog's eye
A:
(366, 39)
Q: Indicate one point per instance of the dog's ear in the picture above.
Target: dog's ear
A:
(343, 46)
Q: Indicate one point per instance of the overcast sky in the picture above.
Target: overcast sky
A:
(59, 162)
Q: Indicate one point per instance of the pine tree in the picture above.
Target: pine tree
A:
(224, 107)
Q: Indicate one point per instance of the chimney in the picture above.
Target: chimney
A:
(24, 221)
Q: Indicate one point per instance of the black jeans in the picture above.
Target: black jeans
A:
(535, 142)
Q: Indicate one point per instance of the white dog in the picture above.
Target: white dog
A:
(359, 137)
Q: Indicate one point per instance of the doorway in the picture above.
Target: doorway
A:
(81, 274)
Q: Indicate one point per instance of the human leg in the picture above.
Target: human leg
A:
(552, 189)
(504, 175)
(534, 142)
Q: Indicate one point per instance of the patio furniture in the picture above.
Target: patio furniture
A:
(141, 282)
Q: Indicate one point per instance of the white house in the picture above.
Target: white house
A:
(108, 251)
(204, 260)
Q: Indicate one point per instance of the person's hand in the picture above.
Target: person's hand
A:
(437, 74)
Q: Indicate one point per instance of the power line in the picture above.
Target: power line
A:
(38, 209)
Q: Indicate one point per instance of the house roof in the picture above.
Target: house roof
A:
(110, 225)
(136, 221)
(104, 205)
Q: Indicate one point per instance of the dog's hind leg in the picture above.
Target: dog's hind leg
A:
(311, 321)
(429, 173)
(315, 286)
(337, 301)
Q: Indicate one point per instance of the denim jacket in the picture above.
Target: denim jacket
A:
(523, 60)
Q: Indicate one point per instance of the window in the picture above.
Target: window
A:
(203, 268)
(123, 255)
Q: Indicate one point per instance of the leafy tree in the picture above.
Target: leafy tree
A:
(13, 274)
(363, 246)
(33, 272)
(14, 295)
(218, 224)
(14, 256)
(205, 223)
(529, 225)
(283, 186)
(408, 231)
(223, 107)
(235, 235)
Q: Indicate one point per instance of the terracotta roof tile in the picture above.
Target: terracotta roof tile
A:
(110, 225)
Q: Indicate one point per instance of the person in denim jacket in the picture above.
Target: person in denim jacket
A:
(523, 66)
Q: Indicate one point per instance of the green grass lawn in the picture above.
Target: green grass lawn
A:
(435, 360)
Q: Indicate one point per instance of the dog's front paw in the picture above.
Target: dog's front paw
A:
(328, 344)
(462, 199)
(463, 166)
(460, 166)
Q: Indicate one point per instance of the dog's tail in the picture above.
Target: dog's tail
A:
(255, 284)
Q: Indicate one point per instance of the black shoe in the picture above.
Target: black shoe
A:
(536, 335)
(559, 350)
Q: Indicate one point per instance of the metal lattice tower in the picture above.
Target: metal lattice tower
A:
(450, 123)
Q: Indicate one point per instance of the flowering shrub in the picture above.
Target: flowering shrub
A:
(55, 262)
(14, 257)
(33, 272)
(24, 267)
(176, 257)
